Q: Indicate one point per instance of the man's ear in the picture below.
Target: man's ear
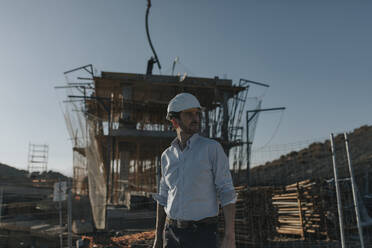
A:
(174, 123)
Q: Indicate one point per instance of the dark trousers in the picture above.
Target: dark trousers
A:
(197, 236)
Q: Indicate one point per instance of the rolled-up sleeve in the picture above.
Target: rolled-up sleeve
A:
(162, 196)
(222, 176)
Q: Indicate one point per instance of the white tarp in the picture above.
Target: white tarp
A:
(59, 192)
(96, 180)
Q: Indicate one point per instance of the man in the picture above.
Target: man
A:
(195, 175)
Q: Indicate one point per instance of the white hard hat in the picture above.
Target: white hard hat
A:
(182, 102)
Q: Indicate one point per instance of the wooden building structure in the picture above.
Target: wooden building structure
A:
(126, 130)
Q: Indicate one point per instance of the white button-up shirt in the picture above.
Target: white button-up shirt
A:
(195, 180)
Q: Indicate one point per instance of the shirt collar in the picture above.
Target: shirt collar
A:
(175, 142)
(192, 140)
(189, 142)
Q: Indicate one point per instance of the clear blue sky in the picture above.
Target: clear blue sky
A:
(316, 55)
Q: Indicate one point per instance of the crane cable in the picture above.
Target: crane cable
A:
(274, 134)
(148, 34)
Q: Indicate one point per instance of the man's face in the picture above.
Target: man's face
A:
(190, 120)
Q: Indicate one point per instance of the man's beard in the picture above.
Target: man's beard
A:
(193, 128)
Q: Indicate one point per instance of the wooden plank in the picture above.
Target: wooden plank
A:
(289, 231)
(300, 214)
(285, 203)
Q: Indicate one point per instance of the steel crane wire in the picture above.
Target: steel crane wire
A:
(148, 34)
(274, 133)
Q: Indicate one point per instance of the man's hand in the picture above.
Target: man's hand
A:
(160, 221)
(228, 241)
(229, 237)
(158, 243)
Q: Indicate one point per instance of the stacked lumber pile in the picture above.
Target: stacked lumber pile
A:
(139, 200)
(300, 210)
(263, 213)
(254, 218)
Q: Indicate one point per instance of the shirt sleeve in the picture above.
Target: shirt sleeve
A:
(222, 176)
(162, 196)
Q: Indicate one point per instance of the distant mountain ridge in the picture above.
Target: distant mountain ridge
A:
(315, 161)
(9, 174)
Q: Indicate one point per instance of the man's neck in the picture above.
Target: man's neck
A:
(183, 138)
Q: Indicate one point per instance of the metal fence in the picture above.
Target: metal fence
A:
(290, 202)
(32, 215)
(296, 200)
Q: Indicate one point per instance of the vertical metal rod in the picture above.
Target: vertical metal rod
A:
(61, 239)
(60, 212)
(339, 206)
(1, 202)
(355, 196)
(225, 122)
(248, 149)
(158, 173)
(239, 164)
(137, 170)
(69, 218)
(207, 131)
(112, 164)
(367, 183)
(117, 176)
(60, 201)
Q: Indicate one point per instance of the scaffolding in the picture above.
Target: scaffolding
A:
(118, 128)
(37, 158)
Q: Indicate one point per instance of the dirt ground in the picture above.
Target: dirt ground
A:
(136, 240)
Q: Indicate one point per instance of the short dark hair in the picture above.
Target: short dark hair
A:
(172, 114)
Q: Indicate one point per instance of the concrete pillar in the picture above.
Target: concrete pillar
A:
(225, 121)
(124, 173)
(206, 131)
(127, 95)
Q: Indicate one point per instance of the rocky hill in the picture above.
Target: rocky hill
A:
(315, 161)
(11, 175)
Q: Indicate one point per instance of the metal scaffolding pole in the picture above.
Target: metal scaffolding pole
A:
(339, 206)
(69, 218)
(158, 173)
(60, 214)
(247, 175)
(1, 201)
(355, 196)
